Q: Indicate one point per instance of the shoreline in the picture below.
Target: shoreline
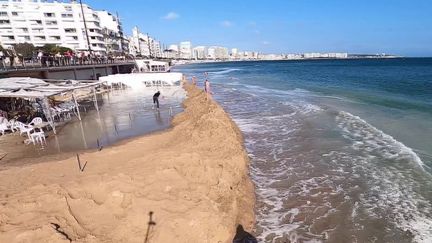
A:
(192, 176)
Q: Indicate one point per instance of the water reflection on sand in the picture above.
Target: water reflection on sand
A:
(122, 114)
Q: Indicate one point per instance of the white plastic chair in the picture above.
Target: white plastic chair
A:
(23, 128)
(36, 121)
(38, 136)
(3, 128)
(11, 125)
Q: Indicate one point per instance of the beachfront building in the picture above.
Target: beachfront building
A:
(271, 56)
(143, 45)
(50, 22)
(199, 53)
(112, 32)
(314, 55)
(185, 49)
(294, 56)
(217, 53)
(172, 52)
(234, 53)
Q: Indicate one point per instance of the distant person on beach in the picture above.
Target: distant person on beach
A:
(207, 88)
(156, 99)
(194, 80)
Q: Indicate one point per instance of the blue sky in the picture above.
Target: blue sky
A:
(402, 27)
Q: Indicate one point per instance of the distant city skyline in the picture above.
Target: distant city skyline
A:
(397, 27)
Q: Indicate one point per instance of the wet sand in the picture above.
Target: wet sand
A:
(193, 177)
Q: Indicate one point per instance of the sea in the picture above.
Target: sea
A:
(340, 150)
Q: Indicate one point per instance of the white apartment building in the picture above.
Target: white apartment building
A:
(199, 52)
(234, 53)
(185, 49)
(112, 32)
(325, 55)
(43, 22)
(144, 45)
(217, 52)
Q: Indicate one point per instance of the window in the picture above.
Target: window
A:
(55, 37)
(14, 13)
(93, 38)
(67, 15)
(36, 22)
(25, 37)
(70, 30)
(24, 30)
(49, 15)
(68, 8)
(4, 21)
(51, 22)
(94, 45)
(3, 14)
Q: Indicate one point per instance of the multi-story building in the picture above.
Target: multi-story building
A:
(185, 50)
(217, 52)
(112, 32)
(234, 53)
(144, 45)
(43, 22)
(199, 52)
(171, 52)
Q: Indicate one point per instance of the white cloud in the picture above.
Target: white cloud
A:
(226, 23)
(252, 23)
(257, 32)
(265, 43)
(171, 16)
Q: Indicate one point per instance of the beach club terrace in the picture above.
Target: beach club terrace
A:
(29, 103)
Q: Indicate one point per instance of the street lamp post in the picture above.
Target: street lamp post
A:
(85, 28)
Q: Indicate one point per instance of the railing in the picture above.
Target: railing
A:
(55, 62)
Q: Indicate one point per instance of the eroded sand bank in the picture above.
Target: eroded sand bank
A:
(194, 177)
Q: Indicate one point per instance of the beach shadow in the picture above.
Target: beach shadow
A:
(150, 225)
(243, 236)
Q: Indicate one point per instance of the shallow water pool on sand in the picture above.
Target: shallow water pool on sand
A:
(122, 114)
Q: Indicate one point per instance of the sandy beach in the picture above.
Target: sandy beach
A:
(193, 177)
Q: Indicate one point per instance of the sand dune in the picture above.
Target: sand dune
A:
(194, 177)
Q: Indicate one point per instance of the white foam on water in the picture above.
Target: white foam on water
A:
(370, 138)
(393, 183)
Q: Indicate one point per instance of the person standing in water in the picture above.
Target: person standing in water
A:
(207, 88)
(156, 99)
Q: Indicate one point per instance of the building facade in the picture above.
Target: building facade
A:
(143, 45)
(112, 32)
(42, 22)
(217, 53)
(199, 53)
(185, 50)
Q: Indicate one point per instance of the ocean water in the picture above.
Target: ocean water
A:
(341, 150)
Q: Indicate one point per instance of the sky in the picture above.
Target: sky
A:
(400, 27)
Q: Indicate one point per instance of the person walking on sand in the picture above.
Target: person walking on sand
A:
(156, 99)
(194, 80)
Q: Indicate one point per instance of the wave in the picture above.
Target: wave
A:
(370, 138)
(225, 71)
(393, 186)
